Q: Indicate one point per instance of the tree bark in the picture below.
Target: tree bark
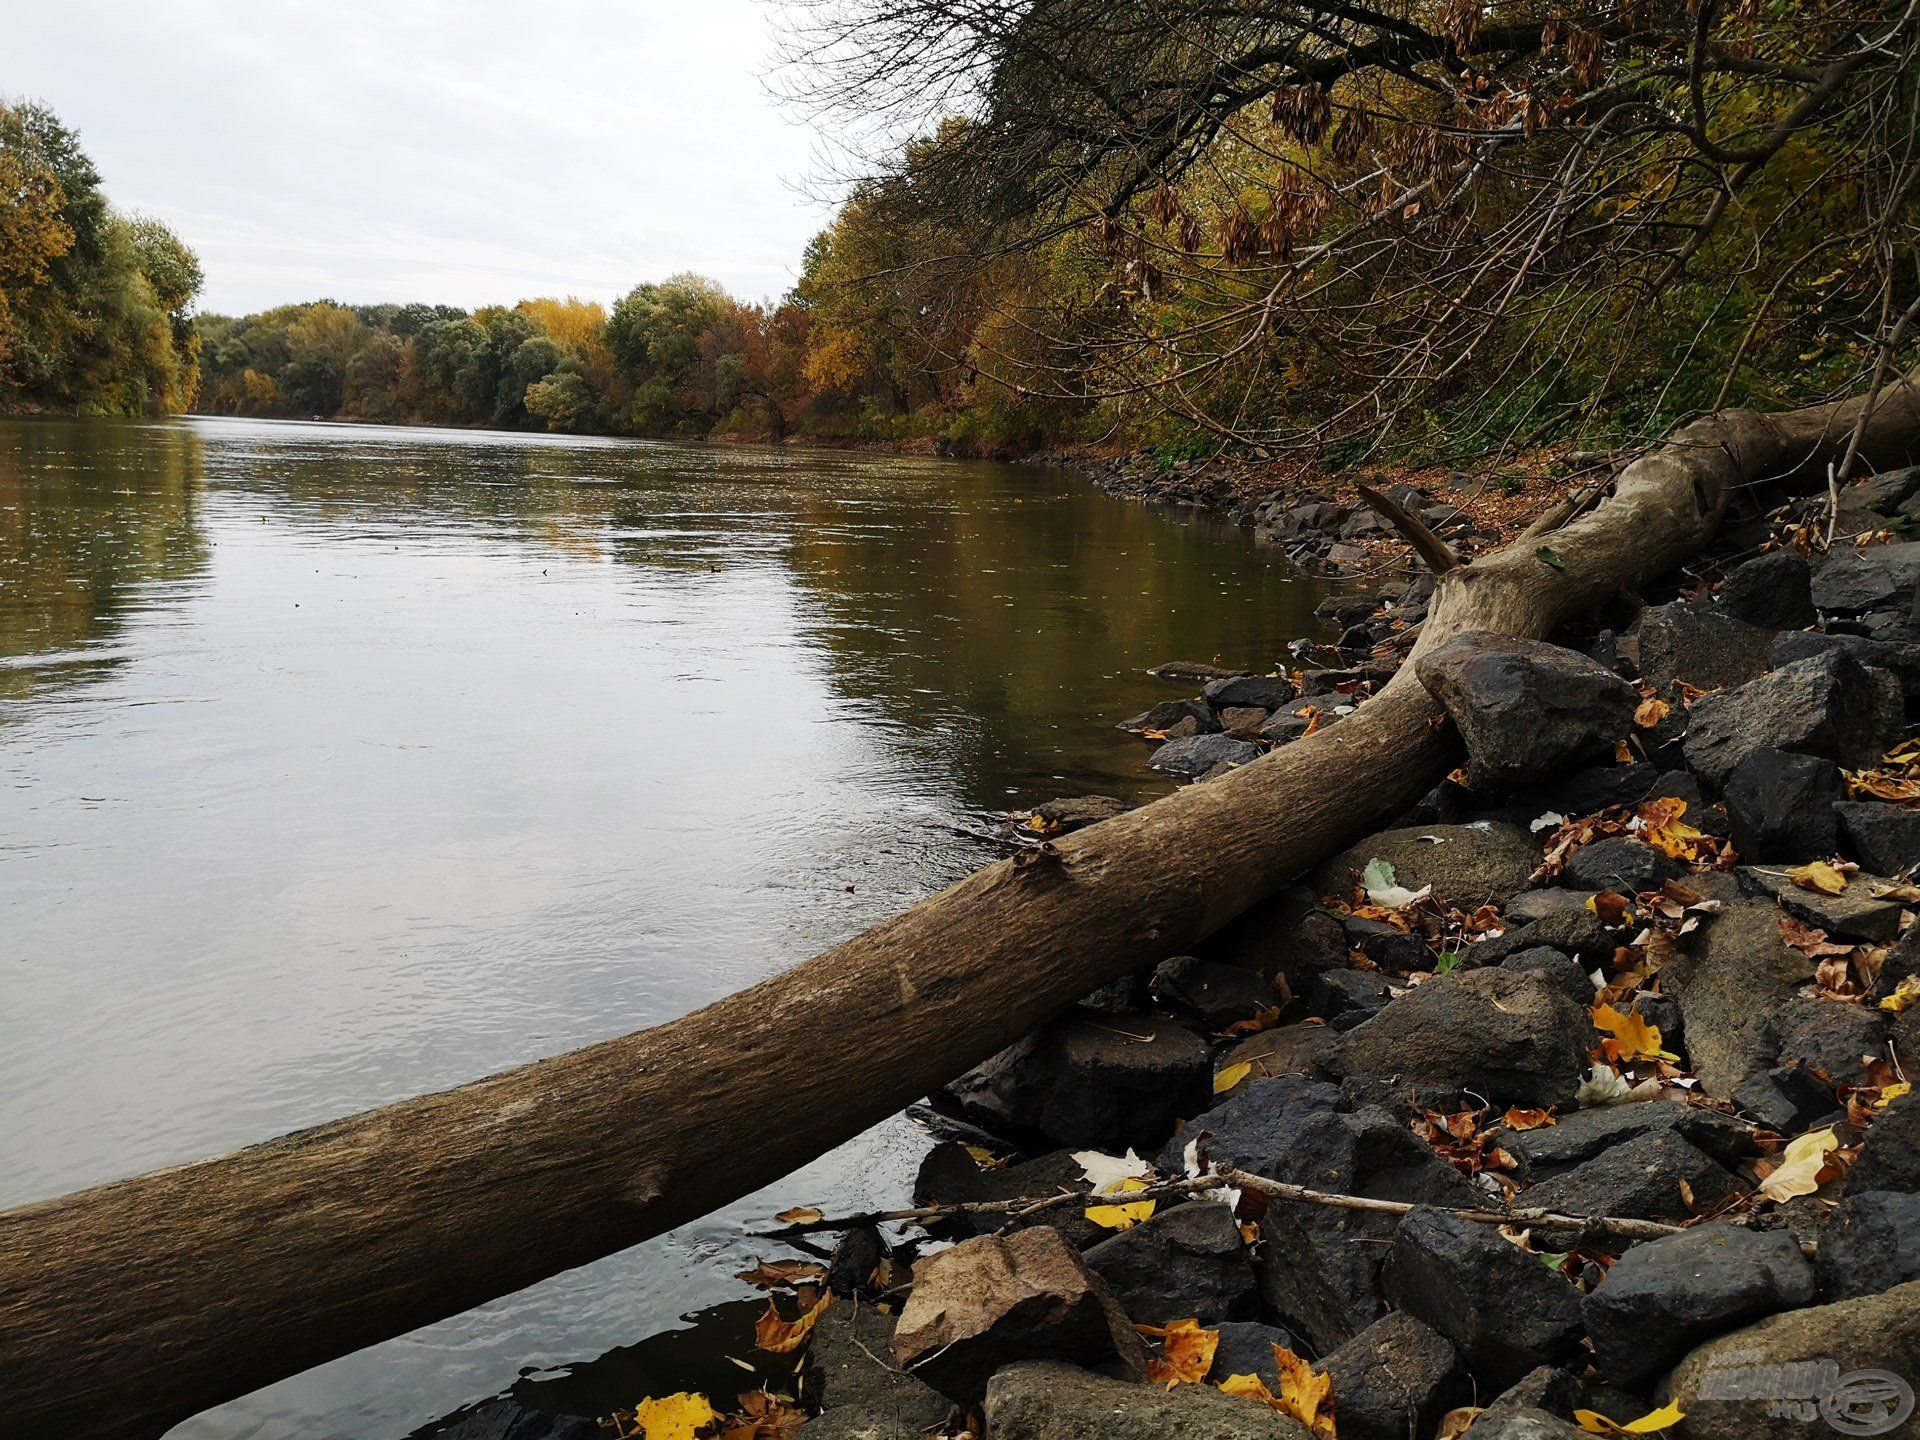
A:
(126, 1308)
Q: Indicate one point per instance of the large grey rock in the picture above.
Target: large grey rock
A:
(1781, 806)
(1218, 995)
(1509, 1036)
(1831, 1037)
(1884, 838)
(1831, 706)
(1285, 1050)
(1526, 710)
(1258, 1127)
(1870, 1243)
(851, 1371)
(1268, 692)
(1876, 577)
(1856, 911)
(1472, 864)
(1192, 757)
(1702, 645)
(1585, 1135)
(1561, 971)
(1901, 657)
(1245, 1347)
(1774, 590)
(1395, 1378)
(1620, 864)
(1504, 1310)
(1661, 1299)
(1890, 1158)
(1737, 973)
(1788, 1099)
(1040, 1400)
(1076, 812)
(1091, 1080)
(1169, 713)
(1745, 1384)
(1558, 1392)
(1657, 1176)
(993, 1301)
(1186, 1263)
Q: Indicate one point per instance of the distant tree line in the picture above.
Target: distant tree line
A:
(95, 306)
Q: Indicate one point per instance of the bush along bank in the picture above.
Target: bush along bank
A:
(1576, 1101)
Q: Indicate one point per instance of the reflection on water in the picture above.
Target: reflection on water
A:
(344, 764)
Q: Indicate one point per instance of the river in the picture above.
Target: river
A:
(347, 763)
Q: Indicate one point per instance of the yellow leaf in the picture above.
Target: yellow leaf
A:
(799, 1215)
(1226, 1079)
(1906, 993)
(1891, 1093)
(674, 1417)
(1456, 1423)
(1122, 1217)
(1595, 1423)
(1818, 875)
(1633, 1037)
(775, 1333)
(981, 1155)
(1651, 712)
(1250, 1386)
(1305, 1393)
(1800, 1164)
(1621, 754)
(1187, 1354)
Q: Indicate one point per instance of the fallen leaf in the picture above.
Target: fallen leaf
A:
(674, 1417)
(1595, 1423)
(1250, 1386)
(1650, 712)
(800, 1215)
(764, 1417)
(1456, 1423)
(1809, 940)
(1518, 1119)
(1905, 994)
(1611, 909)
(1124, 1216)
(766, 1274)
(1893, 1092)
(1305, 1393)
(1225, 1080)
(1106, 1172)
(1818, 875)
(774, 1333)
(1547, 556)
(1186, 1353)
(1800, 1164)
(1633, 1037)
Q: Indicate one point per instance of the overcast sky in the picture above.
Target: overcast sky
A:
(460, 151)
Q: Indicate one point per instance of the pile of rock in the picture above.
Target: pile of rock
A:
(1649, 955)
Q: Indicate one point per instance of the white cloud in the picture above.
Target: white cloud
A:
(458, 151)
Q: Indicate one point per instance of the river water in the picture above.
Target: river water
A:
(342, 764)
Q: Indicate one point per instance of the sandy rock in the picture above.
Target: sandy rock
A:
(1045, 1401)
(1469, 864)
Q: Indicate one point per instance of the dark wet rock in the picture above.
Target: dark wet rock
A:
(1624, 866)
(1831, 1037)
(1576, 932)
(1346, 998)
(1123, 995)
(1657, 1176)
(1246, 1348)
(1471, 864)
(1877, 577)
(1167, 714)
(1088, 1079)
(1787, 1098)
(1405, 1100)
(1268, 692)
(1855, 912)
(1902, 658)
(1780, 805)
(1258, 1127)
(1217, 995)
(1730, 1388)
(1285, 1050)
(1584, 792)
(1561, 971)
(951, 1176)
(1297, 717)
(1041, 1400)
(1830, 706)
(510, 1420)
(1502, 1308)
(1664, 1297)
(994, 1301)
(1394, 1379)
(1884, 838)
(1386, 946)
(1890, 1159)
(1196, 755)
(1526, 710)
(1183, 730)
(1507, 1035)
(1078, 812)
(851, 1372)
(1284, 935)
(860, 1253)
(1555, 1391)
(1584, 1134)
(1774, 590)
(1242, 721)
(1188, 1262)
(1737, 973)
(1869, 1244)
(1702, 645)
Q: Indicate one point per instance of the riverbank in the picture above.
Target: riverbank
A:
(1576, 1098)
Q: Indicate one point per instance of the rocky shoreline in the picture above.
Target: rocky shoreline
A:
(1576, 1101)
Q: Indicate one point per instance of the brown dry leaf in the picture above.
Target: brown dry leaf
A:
(764, 1416)
(1808, 940)
(1651, 712)
(1818, 875)
(1265, 1020)
(800, 1215)
(1611, 908)
(1456, 1423)
(1662, 828)
(1633, 1038)
(1518, 1119)
(774, 1333)
(1186, 1352)
(768, 1274)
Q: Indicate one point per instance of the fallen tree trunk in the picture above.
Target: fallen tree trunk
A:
(126, 1308)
